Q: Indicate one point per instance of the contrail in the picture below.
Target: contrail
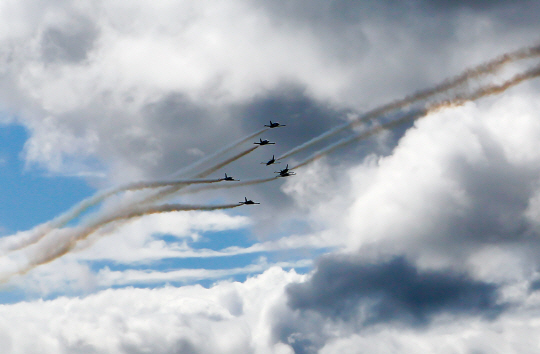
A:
(446, 85)
(217, 153)
(57, 249)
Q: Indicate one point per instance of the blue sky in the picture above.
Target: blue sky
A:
(412, 219)
(30, 196)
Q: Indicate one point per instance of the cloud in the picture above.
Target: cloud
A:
(226, 318)
(393, 290)
(108, 278)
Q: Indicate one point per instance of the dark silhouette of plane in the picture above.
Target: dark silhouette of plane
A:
(271, 161)
(228, 178)
(248, 202)
(285, 172)
(274, 125)
(264, 142)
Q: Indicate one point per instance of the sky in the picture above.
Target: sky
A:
(411, 223)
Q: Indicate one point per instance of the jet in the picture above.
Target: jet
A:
(263, 142)
(228, 178)
(285, 172)
(274, 125)
(271, 161)
(248, 202)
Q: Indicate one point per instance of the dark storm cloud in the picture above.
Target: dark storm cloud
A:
(393, 291)
(68, 44)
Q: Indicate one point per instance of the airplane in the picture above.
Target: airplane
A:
(274, 125)
(248, 202)
(272, 161)
(285, 172)
(228, 178)
(263, 142)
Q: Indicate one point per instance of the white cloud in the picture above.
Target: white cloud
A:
(136, 241)
(227, 318)
(448, 336)
(108, 278)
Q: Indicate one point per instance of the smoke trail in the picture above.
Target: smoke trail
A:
(57, 249)
(16, 243)
(225, 163)
(158, 184)
(167, 192)
(230, 185)
(217, 154)
(488, 90)
(446, 85)
(173, 186)
(482, 92)
(345, 141)
(78, 209)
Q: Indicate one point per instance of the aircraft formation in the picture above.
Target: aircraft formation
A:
(286, 172)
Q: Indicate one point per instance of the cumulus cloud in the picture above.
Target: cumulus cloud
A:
(227, 318)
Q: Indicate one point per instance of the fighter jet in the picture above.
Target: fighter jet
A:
(271, 161)
(274, 125)
(285, 172)
(248, 202)
(264, 142)
(228, 178)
